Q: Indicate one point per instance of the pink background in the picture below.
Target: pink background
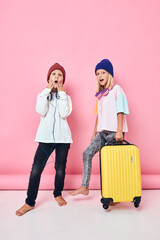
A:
(77, 34)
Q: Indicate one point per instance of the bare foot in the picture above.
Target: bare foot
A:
(81, 190)
(60, 200)
(25, 208)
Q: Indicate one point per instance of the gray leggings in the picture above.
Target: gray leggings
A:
(91, 150)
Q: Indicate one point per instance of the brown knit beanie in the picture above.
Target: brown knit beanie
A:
(54, 67)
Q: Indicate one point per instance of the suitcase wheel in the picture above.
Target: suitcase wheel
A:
(106, 202)
(102, 200)
(136, 201)
(105, 206)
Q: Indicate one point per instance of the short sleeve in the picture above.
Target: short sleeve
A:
(122, 105)
(96, 108)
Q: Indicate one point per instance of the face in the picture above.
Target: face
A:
(102, 77)
(56, 78)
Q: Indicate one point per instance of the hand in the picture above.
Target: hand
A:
(50, 85)
(119, 136)
(60, 86)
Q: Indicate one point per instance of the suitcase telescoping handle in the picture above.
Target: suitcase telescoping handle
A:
(114, 142)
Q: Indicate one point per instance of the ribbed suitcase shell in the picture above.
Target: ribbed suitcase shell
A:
(120, 172)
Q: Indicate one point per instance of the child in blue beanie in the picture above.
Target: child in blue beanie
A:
(111, 123)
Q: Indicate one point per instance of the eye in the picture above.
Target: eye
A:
(60, 74)
(53, 73)
(97, 74)
(103, 72)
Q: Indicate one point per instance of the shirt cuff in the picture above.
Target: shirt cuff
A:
(122, 105)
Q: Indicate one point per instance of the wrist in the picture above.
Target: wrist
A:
(119, 131)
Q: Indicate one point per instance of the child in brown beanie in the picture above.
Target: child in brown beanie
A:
(54, 106)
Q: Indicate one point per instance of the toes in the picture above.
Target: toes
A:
(72, 193)
(60, 204)
(18, 213)
(61, 201)
(23, 210)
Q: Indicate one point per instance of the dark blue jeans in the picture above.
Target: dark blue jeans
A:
(43, 152)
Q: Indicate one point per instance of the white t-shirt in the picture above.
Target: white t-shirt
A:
(108, 107)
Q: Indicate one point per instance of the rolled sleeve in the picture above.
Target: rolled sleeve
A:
(122, 105)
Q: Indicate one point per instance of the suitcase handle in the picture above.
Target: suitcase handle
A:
(114, 142)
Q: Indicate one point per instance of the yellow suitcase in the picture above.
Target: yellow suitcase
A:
(120, 174)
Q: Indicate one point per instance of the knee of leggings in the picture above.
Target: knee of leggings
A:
(87, 155)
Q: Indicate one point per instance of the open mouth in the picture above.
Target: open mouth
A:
(101, 80)
(56, 81)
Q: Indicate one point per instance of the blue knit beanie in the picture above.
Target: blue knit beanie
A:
(106, 65)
